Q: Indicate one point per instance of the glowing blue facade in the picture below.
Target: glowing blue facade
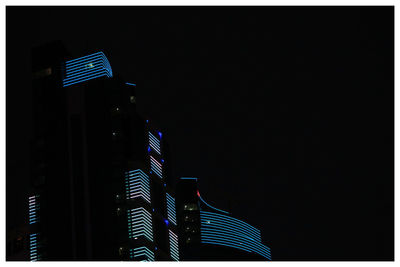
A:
(224, 230)
(34, 246)
(141, 254)
(34, 207)
(171, 213)
(86, 68)
(137, 184)
(154, 143)
(140, 223)
(156, 167)
(173, 245)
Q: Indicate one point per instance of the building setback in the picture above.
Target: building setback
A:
(99, 172)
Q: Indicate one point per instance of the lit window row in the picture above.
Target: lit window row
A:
(139, 223)
(86, 68)
(173, 245)
(137, 184)
(33, 247)
(34, 207)
(142, 254)
(171, 209)
(219, 229)
(154, 143)
(156, 166)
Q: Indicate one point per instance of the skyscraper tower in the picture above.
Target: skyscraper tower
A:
(99, 181)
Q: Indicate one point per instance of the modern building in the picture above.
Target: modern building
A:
(100, 179)
(209, 233)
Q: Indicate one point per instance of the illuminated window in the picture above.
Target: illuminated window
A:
(190, 206)
(42, 73)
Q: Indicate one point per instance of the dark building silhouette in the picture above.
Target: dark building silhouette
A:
(101, 186)
(99, 177)
(209, 233)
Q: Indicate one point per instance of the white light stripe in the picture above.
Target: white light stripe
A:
(154, 139)
(155, 161)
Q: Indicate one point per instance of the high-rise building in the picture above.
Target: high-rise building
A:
(209, 233)
(101, 186)
(100, 179)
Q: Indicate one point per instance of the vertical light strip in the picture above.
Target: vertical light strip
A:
(173, 246)
(171, 213)
(140, 223)
(33, 247)
(156, 166)
(137, 184)
(34, 206)
(142, 254)
(224, 230)
(86, 68)
(154, 143)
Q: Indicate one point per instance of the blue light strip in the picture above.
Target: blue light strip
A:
(34, 207)
(234, 221)
(223, 230)
(137, 184)
(140, 252)
(154, 143)
(202, 200)
(133, 84)
(171, 214)
(173, 245)
(86, 68)
(139, 223)
(33, 247)
(156, 166)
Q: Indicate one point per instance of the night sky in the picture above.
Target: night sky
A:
(285, 114)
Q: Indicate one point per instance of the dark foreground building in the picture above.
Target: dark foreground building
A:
(209, 233)
(99, 177)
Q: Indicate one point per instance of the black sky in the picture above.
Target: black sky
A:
(286, 114)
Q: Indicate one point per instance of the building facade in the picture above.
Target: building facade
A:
(100, 175)
(209, 233)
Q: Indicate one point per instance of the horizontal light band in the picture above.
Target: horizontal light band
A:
(137, 184)
(202, 200)
(143, 251)
(139, 223)
(231, 219)
(215, 241)
(220, 229)
(86, 68)
(255, 246)
(219, 223)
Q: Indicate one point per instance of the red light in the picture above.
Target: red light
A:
(198, 194)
